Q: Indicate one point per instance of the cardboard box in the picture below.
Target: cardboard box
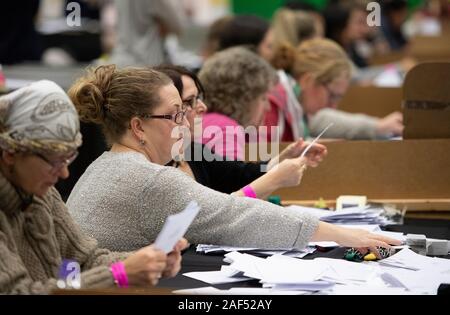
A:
(421, 49)
(430, 48)
(426, 101)
(371, 100)
(414, 173)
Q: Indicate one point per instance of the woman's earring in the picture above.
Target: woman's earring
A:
(142, 142)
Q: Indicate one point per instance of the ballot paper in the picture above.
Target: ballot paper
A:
(215, 277)
(349, 216)
(245, 263)
(346, 272)
(407, 273)
(390, 77)
(315, 140)
(281, 272)
(208, 249)
(420, 281)
(408, 259)
(175, 227)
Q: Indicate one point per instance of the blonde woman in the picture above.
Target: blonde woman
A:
(314, 77)
(292, 27)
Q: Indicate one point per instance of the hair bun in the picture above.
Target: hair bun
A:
(90, 94)
(284, 57)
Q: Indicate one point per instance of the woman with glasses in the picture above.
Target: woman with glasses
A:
(314, 77)
(39, 137)
(233, 176)
(125, 196)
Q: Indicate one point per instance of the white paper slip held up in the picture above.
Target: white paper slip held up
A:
(175, 227)
(315, 140)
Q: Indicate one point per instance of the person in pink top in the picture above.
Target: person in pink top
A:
(236, 81)
(231, 144)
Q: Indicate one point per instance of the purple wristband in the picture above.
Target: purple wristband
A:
(249, 192)
(119, 274)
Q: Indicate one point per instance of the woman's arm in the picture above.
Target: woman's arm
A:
(15, 278)
(224, 219)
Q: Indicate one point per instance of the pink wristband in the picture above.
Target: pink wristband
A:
(249, 192)
(119, 274)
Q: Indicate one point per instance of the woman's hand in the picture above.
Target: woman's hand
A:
(288, 173)
(392, 124)
(314, 156)
(174, 259)
(357, 238)
(364, 240)
(145, 267)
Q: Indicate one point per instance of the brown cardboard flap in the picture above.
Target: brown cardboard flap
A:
(421, 48)
(409, 169)
(430, 48)
(428, 82)
(371, 100)
(426, 99)
(426, 124)
(391, 57)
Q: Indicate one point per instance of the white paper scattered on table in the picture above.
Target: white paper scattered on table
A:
(204, 248)
(280, 274)
(215, 277)
(408, 259)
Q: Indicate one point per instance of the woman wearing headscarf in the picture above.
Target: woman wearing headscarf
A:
(39, 137)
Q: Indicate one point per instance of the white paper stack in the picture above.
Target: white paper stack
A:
(210, 249)
(353, 215)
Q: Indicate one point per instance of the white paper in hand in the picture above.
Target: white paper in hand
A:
(315, 140)
(175, 227)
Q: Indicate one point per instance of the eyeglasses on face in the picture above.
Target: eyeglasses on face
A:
(177, 118)
(193, 101)
(333, 96)
(56, 165)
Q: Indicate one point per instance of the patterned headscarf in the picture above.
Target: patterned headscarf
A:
(39, 118)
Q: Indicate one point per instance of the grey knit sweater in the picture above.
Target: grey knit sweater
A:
(122, 200)
(346, 125)
(34, 239)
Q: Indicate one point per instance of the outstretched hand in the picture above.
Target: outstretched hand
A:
(314, 156)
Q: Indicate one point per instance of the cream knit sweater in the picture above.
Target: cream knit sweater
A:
(35, 238)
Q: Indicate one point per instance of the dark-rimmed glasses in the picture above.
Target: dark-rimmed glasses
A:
(177, 118)
(333, 96)
(192, 102)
